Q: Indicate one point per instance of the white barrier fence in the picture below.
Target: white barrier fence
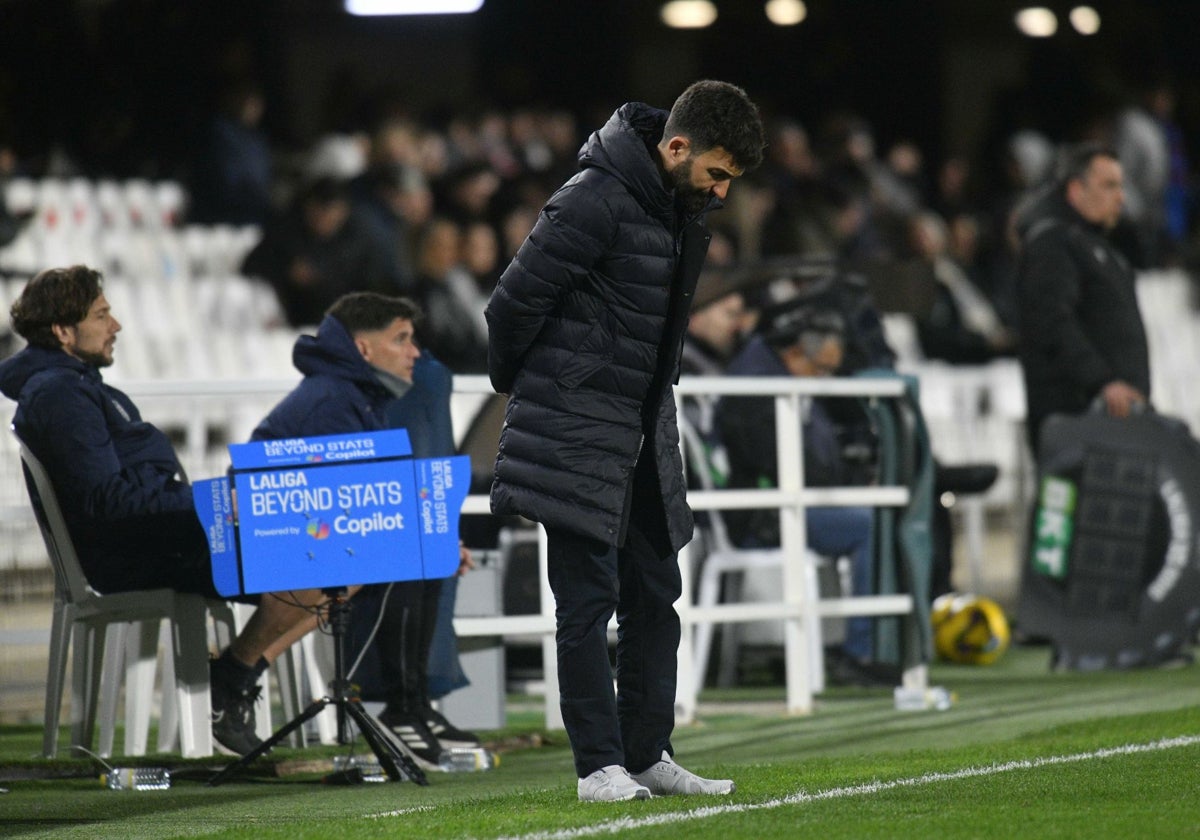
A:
(204, 415)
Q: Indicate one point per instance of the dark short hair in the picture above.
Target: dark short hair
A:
(369, 311)
(60, 296)
(715, 114)
(1077, 160)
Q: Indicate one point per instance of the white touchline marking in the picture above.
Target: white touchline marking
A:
(801, 797)
(403, 812)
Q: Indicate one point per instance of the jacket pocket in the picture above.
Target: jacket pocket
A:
(593, 353)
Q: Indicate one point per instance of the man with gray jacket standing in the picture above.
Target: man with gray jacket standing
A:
(586, 327)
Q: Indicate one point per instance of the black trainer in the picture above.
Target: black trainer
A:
(447, 733)
(412, 733)
(233, 714)
(843, 669)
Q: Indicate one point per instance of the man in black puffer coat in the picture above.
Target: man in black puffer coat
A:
(1082, 337)
(586, 327)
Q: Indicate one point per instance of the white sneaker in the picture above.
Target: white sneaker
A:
(611, 784)
(666, 778)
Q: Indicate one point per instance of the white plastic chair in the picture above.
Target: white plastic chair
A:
(140, 202)
(87, 618)
(21, 195)
(722, 558)
(169, 198)
(110, 202)
(53, 213)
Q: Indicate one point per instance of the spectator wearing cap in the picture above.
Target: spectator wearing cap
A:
(797, 339)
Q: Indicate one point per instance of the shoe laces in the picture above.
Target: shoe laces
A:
(242, 707)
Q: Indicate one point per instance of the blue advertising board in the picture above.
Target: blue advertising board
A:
(331, 511)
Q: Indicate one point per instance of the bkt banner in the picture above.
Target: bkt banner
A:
(332, 511)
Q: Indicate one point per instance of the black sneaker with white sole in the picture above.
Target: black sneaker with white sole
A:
(233, 721)
(412, 733)
(447, 733)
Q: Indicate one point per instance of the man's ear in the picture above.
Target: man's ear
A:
(364, 347)
(675, 151)
(1074, 189)
(64, 333)
(794, 360)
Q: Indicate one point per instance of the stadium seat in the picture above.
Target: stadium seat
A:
(51, 211)
(140, 203)
(169, 199)
(20, 195)
(900, 330)
(81, 211)
(111, 204)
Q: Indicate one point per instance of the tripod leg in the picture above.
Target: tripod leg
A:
(249, 758)
(391, 758)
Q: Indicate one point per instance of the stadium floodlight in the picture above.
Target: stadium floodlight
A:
(370, 8)
(1037, 22)
(786, 12)
(1085, 19)
(688, 14)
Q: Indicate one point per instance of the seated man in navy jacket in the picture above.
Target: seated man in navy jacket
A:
(363, 371)
(127, 505)
(797, 339)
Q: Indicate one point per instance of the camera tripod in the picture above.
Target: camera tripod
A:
(392, 759)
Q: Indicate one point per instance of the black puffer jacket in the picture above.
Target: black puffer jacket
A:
(586, 327)
(1080, 324)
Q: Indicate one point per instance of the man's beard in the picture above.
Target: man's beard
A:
(691, 200)
(96, 360)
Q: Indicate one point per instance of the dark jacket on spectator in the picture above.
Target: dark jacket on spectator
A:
(352, 260)
(339, 394)
(747, 429)
(586, 327)
(1080, 324)
(110, 468)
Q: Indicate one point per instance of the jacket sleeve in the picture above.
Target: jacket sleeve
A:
(1051, 286)
(68, 428)
(573, 230)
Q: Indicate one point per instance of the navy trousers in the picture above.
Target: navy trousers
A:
(590, 581)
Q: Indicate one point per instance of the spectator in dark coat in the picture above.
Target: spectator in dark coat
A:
(363, 358)
(231, 173)
(796, 339)
(455, 329)
(585, 332)
(1082, 337)
(318, 252)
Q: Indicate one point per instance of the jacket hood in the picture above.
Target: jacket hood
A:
(17, 370)
(623, 148)
(331, 352)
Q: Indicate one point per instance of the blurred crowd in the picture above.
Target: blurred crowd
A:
(436, 209)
